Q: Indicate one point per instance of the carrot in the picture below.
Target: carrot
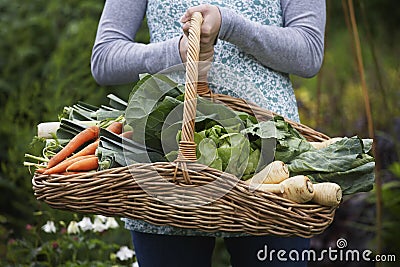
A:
(86, 164)
(127, 134)
(115, 127)
(88, 150)
(63, 165)
(78, 140)
(41, 170)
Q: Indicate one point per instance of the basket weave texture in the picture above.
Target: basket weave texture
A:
(184, 193)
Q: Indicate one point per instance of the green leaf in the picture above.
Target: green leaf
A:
(342, 162)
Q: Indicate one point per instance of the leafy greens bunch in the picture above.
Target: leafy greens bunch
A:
(236, 143)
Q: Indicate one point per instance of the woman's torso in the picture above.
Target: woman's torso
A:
(234, 72)
(237, 73)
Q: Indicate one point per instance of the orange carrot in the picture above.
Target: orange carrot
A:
(127, 134)
(88, 150)
(78, 140)
(41, 170)
(87, 164)
(115, 127)
(63, 165)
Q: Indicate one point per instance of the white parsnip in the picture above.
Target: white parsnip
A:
(273, 173)
(298, 189)
(272, 188)
(327, 194)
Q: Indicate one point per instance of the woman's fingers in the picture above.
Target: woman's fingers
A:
(211, 22)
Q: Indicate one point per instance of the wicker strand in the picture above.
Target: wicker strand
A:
(204, 90)
(187, 147)
(189, 111)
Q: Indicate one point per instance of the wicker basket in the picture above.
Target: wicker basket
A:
(184, 193)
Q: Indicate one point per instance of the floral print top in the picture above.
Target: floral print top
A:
(234, 72)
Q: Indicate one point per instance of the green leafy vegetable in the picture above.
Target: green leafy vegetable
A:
(344, 162)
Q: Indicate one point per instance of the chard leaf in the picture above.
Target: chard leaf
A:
(343, 162)
(337, 157)
(358, 179)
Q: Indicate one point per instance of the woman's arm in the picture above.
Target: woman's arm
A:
(297, 48)
(116, 57)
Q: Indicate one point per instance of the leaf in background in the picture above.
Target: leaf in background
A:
(264, 130)
(337, 157)
(359, 179)
(342, 162)
(289, 142)
(150, 102)
(147, 92)
(153, 124)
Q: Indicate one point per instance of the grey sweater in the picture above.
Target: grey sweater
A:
(296, 48)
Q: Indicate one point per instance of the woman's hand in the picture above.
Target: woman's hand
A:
(208, 36)
(211, 22)
(209, 30)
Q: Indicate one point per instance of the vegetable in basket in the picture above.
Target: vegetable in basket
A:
(235, 142)
(227, 140)
(80, 139)
(274, 173)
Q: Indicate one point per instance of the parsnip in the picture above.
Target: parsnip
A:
(319, 145)
(272, 188)
(298, 189)
(327, 194)
(273, 173)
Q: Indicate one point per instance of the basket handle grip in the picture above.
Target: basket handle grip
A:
(187, 146)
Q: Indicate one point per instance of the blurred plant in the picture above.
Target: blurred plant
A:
(44, 65)
(391, 210)
(83, 242)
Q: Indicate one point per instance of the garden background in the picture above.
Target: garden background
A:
(45, 53)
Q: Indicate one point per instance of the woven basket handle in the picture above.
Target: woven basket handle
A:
(187, 146)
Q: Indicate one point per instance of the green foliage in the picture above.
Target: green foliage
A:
(333, 101)
(90, 244)
(390, 211)
(44, 65)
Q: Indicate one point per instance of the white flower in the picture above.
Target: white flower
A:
(85, 224)
(125, 253)
(98, 226)
(101, 218)
(135, 264)
(111, 223)
(49, 227)
(73, 228)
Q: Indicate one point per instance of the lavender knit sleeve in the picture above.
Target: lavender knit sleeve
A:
(116, 57)
(296, 48)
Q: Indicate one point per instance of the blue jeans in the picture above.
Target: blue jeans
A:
(154, 250)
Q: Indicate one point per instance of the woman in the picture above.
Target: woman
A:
(266, 39)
